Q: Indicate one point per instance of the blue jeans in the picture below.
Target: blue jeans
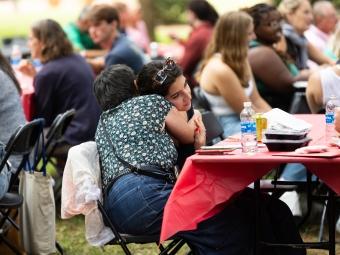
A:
(135, 204)
(295, 172)
(230, 124)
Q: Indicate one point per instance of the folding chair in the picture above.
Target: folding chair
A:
(213, 128)
(55, 134)
(53, 138)
(83, 160)
(201, 99)
(124, 239)
(21, 143)
(299, 103)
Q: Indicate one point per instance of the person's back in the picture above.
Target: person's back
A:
(11, 112)
(321, 86)
(66, 83)
(136, 129)
(11, 117)
(124, 51)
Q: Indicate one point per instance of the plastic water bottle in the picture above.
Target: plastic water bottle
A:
(154, 51)
(332, 103)
(248, 129)
(37, 64)
(16, 56)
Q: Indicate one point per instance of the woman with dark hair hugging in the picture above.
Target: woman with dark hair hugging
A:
(137, 152)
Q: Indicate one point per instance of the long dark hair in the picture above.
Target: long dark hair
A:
(55, 41)
(7, 69)
(203, 10)
(145, 78)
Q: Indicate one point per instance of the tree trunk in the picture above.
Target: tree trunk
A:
(149, 16)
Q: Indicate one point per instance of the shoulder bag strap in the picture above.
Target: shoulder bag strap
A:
(149, 170)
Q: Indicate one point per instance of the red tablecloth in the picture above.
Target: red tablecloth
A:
(207, 182)
(27, 94)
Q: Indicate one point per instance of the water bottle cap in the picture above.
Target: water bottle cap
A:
(247, 104)
(153, 45)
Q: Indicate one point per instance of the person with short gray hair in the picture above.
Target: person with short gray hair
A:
(325, 20)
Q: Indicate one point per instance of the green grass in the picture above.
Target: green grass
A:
(71, 236)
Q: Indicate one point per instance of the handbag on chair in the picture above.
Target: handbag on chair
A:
(37, 216)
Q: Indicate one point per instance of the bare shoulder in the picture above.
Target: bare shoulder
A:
(262, 49)
(262, 53)
(216, 67)
(314, 78)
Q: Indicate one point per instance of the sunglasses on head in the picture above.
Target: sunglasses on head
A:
(161, 76)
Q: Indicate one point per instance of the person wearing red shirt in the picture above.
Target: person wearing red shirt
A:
(202, 17)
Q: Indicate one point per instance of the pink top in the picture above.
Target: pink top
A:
(207, 182)
(316, 37)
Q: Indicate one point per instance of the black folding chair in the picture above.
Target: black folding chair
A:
(55, 134)
(299, 103)
(213, 128)
(81, 154)
(21, 143)
(200, 98)
(54, 137)
(124, 239)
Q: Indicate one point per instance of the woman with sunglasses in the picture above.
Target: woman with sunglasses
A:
(226, 78)
(274, 71)
(135, 202)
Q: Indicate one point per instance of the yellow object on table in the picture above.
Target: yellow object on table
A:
(261, 125)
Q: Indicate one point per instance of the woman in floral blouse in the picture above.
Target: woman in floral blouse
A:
(139, 129)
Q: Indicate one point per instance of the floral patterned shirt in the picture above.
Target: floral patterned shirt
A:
(136, 129)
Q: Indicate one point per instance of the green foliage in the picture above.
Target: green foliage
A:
(18, 23)
(170, 11)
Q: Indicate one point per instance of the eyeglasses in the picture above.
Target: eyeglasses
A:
(273, 23)
(162, 75)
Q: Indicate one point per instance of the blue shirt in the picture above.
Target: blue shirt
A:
(124, 51)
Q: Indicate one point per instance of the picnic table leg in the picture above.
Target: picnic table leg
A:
(331, 223)
(257, 218)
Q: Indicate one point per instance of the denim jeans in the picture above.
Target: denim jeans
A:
(230, 124)
(135, 204)
(295, 172)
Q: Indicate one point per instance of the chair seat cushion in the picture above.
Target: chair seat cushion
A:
(11, 200)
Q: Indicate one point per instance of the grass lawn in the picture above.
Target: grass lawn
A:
(71, 236)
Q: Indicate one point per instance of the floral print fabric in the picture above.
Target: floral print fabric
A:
(136, 129)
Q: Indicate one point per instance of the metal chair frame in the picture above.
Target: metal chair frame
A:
(55, 134)
(124, 239)
(21, 143)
